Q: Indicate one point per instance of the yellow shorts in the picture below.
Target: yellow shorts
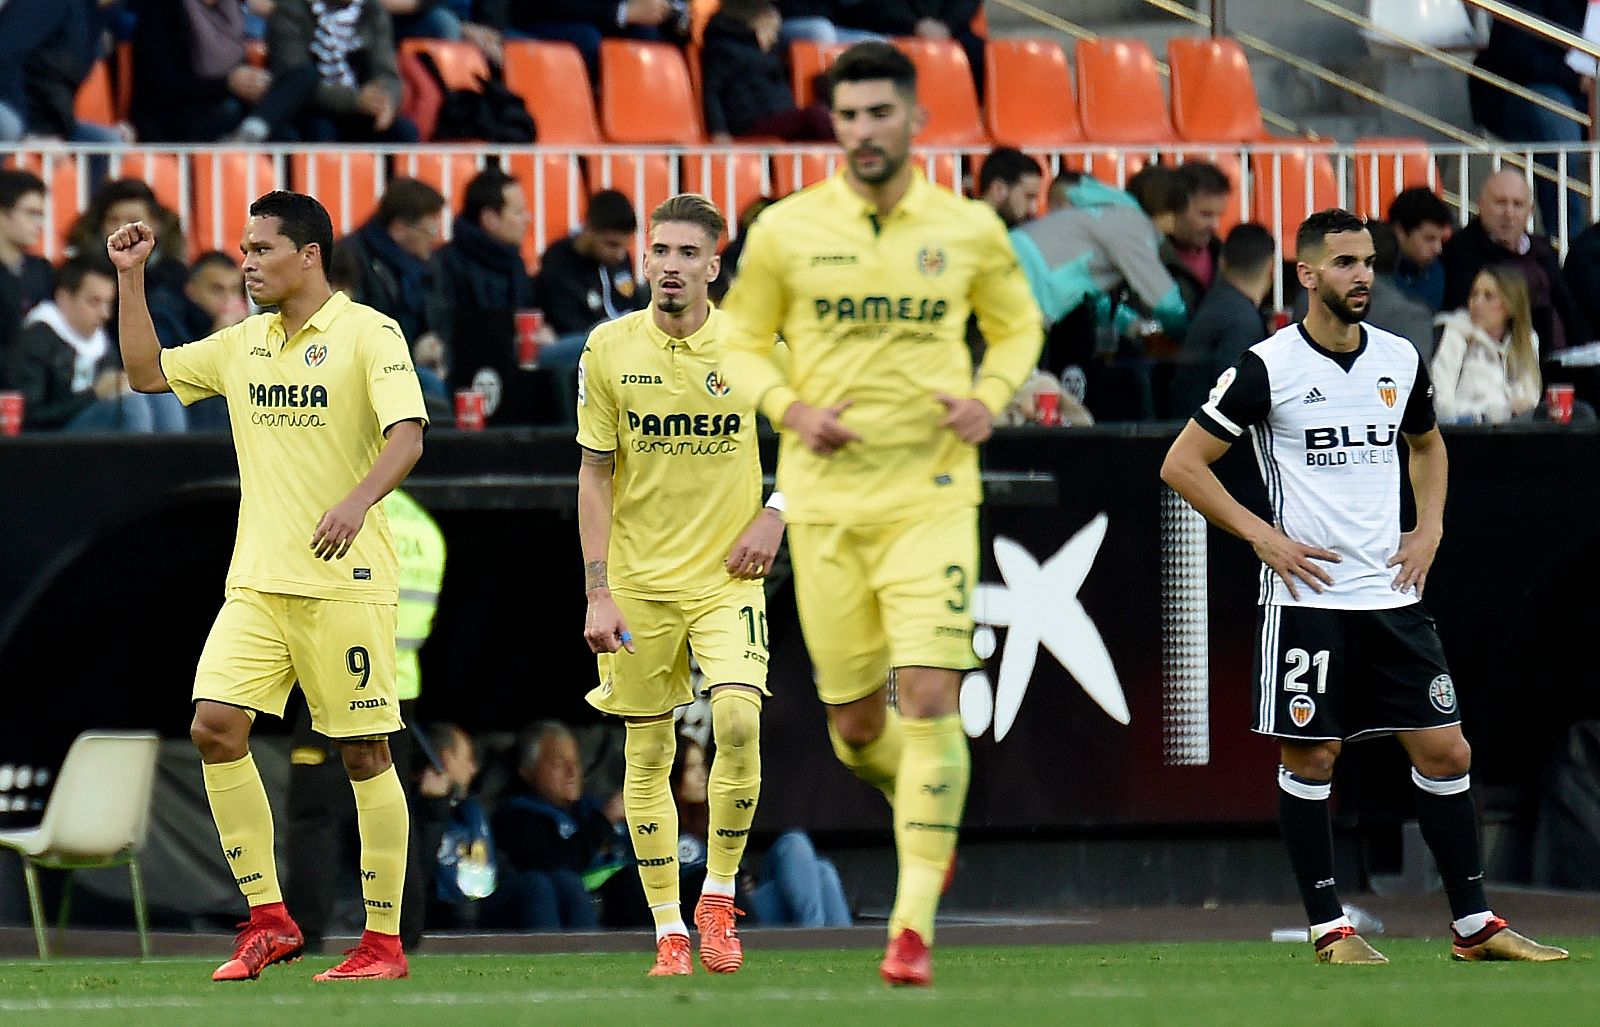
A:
(341, 652)
(727, 631)
(877, 596)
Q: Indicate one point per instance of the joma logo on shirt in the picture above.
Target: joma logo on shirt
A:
(641, 379)
(881, 308)
(288, 395)
(704, 425)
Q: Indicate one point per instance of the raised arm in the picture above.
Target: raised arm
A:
(129, 247)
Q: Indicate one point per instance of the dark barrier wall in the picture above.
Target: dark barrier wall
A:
(115, 552)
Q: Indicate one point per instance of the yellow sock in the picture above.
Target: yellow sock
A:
(933, 792)
(384, 824)
(652, 815)
(735, 782)
(244, 821)
(878, 761)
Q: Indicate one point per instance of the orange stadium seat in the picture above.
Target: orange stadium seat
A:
(350, 195)
(709, 174)
(945, 87)
(645, 94)
(1385, 166)
(162, 171)
(1029, 94)
(445, 170)
(461, 65)
(226, 182)
(543, 74)
(807, 60)
(646, 179)
(1213, 97)
(794, 171)
(1120, 98)
(1298, 200)
(94, 101)
(553, 186)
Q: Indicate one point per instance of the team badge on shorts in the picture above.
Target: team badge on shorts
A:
(716, 384)
(316, 353)
(1388, 391)
(1442, 693)
(1301, 710)
(930, 261)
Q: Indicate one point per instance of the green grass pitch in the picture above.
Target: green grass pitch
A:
(1191, 983)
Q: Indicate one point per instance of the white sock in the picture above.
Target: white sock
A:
(1467, 926)
(673, 926)
(717, 886)
(1318, 930)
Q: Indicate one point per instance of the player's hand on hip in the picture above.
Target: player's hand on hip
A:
(819, 427)
(1295, 560)
(968, 418)
(604, 627)
(337, 530)
(1414, 557)
(751, 556)
(130, 245)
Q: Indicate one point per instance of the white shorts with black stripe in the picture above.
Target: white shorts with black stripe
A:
(1338, 675)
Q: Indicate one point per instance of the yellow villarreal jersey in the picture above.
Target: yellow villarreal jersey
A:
(874, 311)
(688, 475)
(309, 416)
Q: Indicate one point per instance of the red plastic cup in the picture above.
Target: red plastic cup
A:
(10, 413)
(1049, 404)
(469, 410)
(530, 323)
(1558, 403)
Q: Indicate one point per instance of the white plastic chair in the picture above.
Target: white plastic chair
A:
(97, 817)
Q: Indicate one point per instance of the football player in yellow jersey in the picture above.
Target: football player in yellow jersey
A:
(870, 277)
(675, 544)
(327, 419)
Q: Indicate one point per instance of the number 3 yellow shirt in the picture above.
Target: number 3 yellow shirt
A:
(874, 311)
(309, 416)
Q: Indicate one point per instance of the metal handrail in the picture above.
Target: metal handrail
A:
(1550, 33)
(1450, 60)
(1333, 78)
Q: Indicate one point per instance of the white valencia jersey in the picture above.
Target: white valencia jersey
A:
(1326, 428)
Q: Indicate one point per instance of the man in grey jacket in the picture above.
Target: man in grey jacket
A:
(351, 43)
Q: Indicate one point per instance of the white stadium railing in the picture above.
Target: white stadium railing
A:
(210, 187)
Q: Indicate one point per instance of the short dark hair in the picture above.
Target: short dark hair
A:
(302, 219)
(610, 211)
(486, 191)
(693, 209)
(1314, 230)
(1204, 178)
(1008, 165)
(73, 270)
(1385, 246)
(1159, 190)
(212, 258)
(872, 62)
(1412, 207)
(407, 199)
(15, 184)
(1248, 248)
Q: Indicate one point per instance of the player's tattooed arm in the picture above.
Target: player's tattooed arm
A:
(595, 458)
(594, 575)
